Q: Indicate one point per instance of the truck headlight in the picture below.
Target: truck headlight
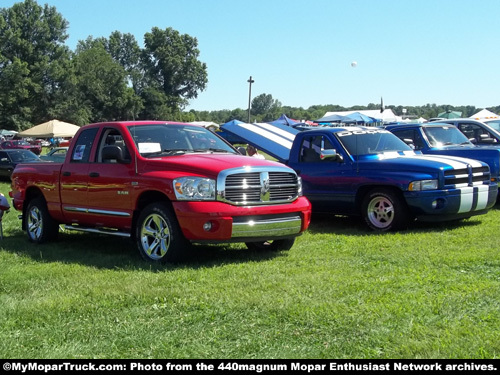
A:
(423, 185)
(194, 188)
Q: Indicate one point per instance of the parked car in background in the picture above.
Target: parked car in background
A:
(21, 144)
(9, 159)
(57, 154)
(480, 133)
(42, 142)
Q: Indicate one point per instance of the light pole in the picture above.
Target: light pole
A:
(250, 81)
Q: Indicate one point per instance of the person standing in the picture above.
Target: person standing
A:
(252, 151)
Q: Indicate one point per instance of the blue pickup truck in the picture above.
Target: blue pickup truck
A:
(481, 133)
(446, 139)
(369, 172)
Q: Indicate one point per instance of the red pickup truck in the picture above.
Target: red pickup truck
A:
(165, 185)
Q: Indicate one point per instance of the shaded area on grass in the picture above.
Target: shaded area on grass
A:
(354, 226)
(109, 252)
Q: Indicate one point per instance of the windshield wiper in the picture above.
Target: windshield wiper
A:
(211, 149)
(166, 152)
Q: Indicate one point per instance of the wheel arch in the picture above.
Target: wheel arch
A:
(364, 190)
(30, 194)
(144, 200)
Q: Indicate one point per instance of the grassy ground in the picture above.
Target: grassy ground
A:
(341, 292)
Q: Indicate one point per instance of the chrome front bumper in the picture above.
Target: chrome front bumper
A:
(267, 228)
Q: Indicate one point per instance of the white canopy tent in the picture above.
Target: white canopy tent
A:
(485, 115)
(206, 124)
(49, 129)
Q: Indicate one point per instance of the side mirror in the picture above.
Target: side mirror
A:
(242, 150)
(485, 138)
(409, 142)
(330, 154)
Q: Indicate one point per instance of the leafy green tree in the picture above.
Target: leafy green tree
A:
(33, 56)
(124, 49)
(266, 107)
(172, 69)
(100, 87)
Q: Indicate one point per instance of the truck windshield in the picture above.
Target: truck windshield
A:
(445, 136)
(175, 139)
(367, 142)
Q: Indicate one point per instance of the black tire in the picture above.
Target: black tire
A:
(384, 210)
(276, 245)
(40, 227)
(158, 236)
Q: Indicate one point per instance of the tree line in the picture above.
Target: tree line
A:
(273, 112)
(107, 79)
(104, 79)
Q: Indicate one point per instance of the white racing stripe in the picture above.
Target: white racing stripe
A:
(267, 134)
(467, 198)
(276, 130)
(482, 199)
(454, 161)
(389, 155)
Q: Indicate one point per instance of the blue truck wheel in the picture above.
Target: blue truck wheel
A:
(384, 210)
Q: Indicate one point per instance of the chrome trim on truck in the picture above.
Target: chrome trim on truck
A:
(95, 211)
(285, 226)
(252, 186)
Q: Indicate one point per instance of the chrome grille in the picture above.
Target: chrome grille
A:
(467, 176)
(258, 185)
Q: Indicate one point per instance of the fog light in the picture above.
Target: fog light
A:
(207, 227)
(438, 204)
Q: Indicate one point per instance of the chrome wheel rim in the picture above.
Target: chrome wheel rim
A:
(155, 236)
(35, 223)
(381, 212)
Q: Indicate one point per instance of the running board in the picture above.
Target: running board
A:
(95, 230)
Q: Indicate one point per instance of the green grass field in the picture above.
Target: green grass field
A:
(432, 291)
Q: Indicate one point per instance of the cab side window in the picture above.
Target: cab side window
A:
(413, 135)
(112, 148)
(311, 148)
(476, 132)
(83, 145)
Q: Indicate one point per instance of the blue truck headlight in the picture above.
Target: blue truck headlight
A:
(423, 185)
(194, 188)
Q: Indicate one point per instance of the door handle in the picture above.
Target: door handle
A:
(66, 174)
(93, 174)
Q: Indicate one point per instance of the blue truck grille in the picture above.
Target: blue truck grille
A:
(467, 176)
(261, 187)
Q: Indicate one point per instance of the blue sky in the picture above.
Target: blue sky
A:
(410, 53)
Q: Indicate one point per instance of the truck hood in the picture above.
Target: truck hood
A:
(205, 164)
(415, 162)
(490, 156)
(275, 140)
